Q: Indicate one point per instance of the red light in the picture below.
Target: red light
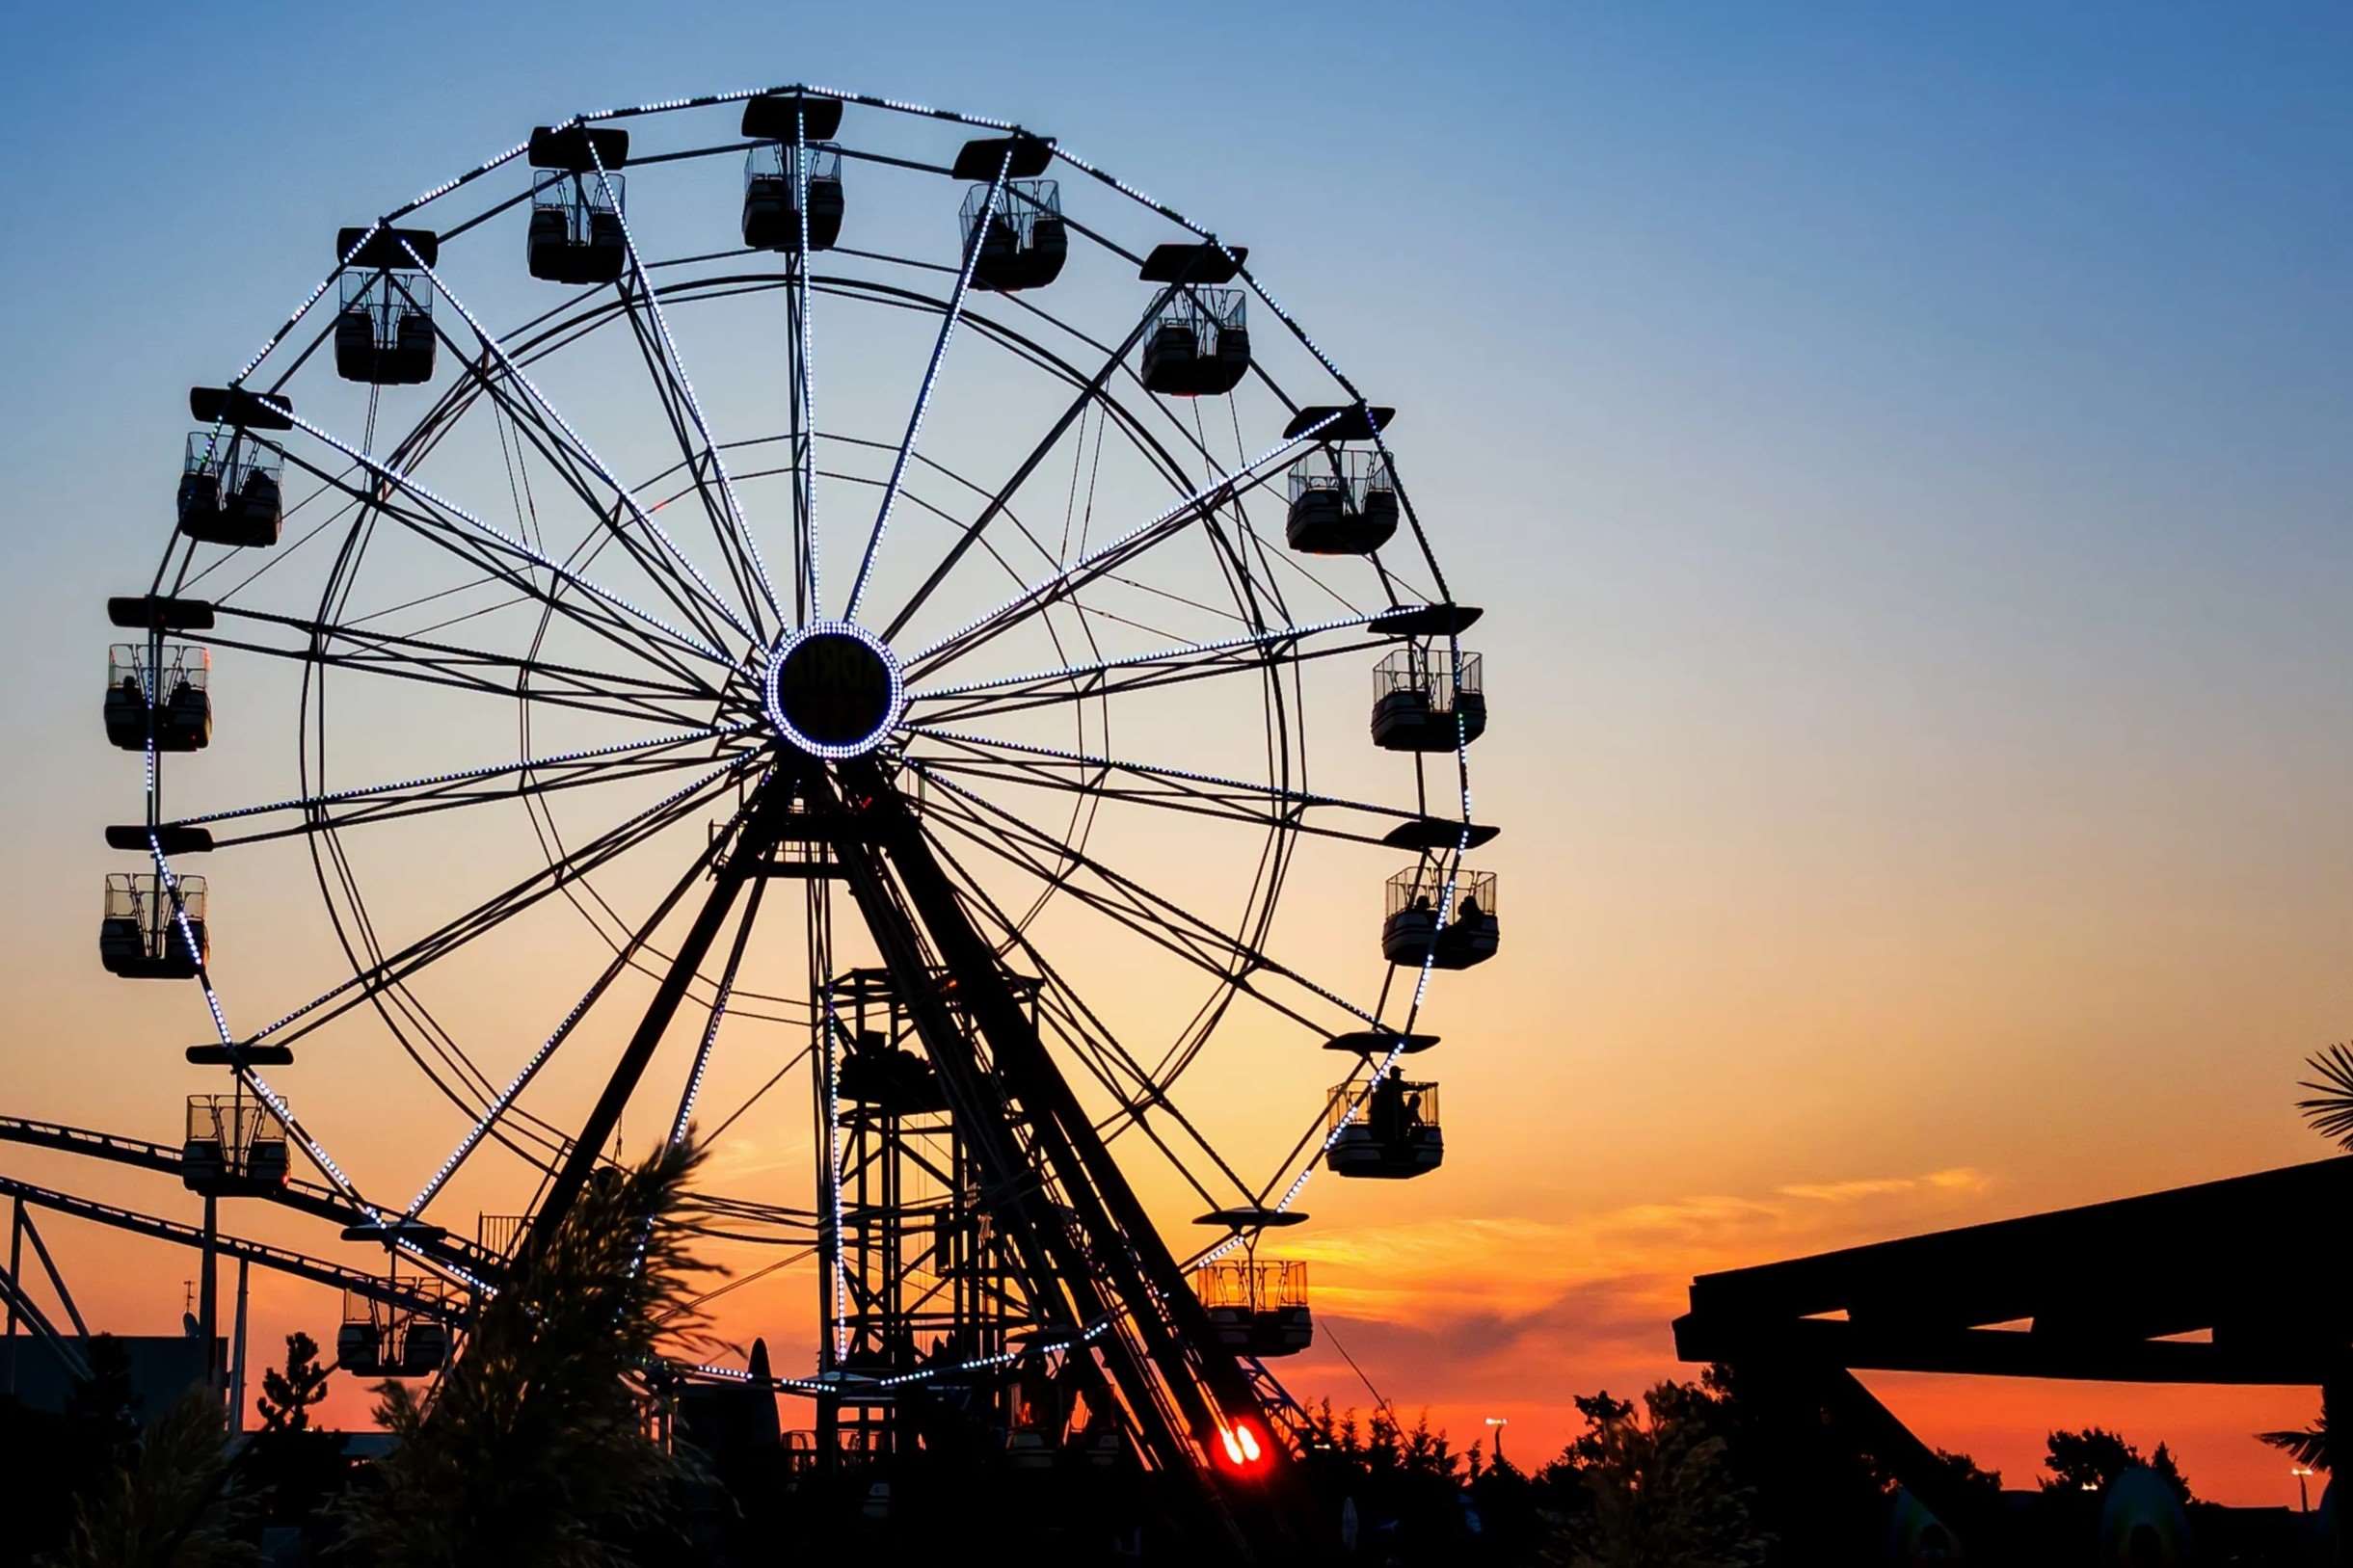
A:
(1243, 1450)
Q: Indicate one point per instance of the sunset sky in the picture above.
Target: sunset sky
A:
(1902, 459)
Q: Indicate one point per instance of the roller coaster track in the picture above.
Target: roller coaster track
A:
(314, 1198)
(301, 1266)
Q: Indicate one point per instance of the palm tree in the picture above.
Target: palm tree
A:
(2329, 1109)
(537, 1451)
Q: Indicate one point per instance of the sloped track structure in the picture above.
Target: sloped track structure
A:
(1000, 643)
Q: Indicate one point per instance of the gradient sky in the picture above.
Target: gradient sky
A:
(1902, 454)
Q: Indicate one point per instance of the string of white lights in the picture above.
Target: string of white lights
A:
(436, 781)
(538, 1058)
(377, 974)
(678, 367)
(1200, 503)
(1160, 656)
(806, 461)
(931, 375)
(411, 487)
(622, 494)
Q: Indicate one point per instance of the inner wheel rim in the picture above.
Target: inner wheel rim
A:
(834, 690)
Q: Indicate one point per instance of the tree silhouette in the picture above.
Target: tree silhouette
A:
(2091, 1460)
(286, 1396)
(293, 1465)
(538, 1450)
(1659, 1489)
(170, 1504)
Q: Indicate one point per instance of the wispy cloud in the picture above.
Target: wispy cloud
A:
(1536, 1310)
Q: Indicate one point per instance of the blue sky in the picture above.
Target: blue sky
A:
(1903, 451)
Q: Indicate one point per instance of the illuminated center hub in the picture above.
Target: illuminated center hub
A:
(833, 690)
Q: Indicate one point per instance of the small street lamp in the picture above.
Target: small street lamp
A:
(2302, 1474)
(1499, 1423)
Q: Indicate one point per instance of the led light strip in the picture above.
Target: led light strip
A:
(530, 1068)
(379, 973)
(464, 775)
(931, 375)
(1198, 501)
(833, 1130)
(807, 463)
(686, 382)
(621, 493)
(405, 483)
(1180, 650)
(772, 697)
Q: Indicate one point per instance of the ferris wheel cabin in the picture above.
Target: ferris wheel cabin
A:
(384, 1338)
(231, 490)
(139, 935)
(771, 220)
(1198, 344)
(1027, 240)
(1424, 699)
(1343, 502)
(384, 330)
(576, 235)
(1412, 935)
(172, 696)
(236, 1146)
(1388, 1131)
(1257, 1307)
(770, 172)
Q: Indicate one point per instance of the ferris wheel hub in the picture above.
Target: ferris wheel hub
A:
(833, 690)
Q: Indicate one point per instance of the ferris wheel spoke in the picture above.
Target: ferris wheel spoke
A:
(445, 522)
(1165, 788)
(504, 905)
(351, 646)
(1161, 919)
(491, 1115)
(675, 655)
(802, 397)
(555, 429)
(1254, 652)
(1200, 504)
(741, 544)
(931, 375)
(1122, 1076)
(1088, 395)
(444, 792)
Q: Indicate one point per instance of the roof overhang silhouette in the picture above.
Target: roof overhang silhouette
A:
(2238, 1281)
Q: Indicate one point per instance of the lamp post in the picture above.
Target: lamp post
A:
(2302, 1474)
(1499, 1423)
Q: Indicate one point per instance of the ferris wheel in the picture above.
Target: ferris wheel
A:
(807, 586)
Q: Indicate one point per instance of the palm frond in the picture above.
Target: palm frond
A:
(2306, 1446)
(2329, 1109)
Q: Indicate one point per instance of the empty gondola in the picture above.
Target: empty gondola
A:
(1026, 240)
(1198, 344)
(142, 935)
